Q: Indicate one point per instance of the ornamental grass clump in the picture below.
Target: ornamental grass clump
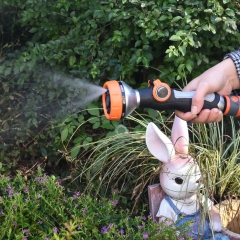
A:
(40, 208)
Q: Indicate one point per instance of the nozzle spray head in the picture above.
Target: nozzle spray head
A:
(119, 100)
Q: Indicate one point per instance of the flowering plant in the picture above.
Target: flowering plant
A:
(41, 208)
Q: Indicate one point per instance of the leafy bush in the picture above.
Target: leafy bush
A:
(41, 208)
(114, 38)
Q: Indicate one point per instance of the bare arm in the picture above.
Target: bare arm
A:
(222, 78)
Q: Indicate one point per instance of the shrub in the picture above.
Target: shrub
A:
(41, 208)
(116, 38)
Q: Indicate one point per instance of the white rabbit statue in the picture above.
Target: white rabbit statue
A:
(179, 179)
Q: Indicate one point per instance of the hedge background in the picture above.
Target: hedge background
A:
(132, 40)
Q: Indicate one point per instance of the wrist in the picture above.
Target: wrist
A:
(231, 73)
(231, 68)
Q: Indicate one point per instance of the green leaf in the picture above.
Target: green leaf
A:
(217, 19)
(212, 28)
(182, 49)
(93, 110)
(180, 68)
(64, 134)
(43, 151)
(175, 19)
(33, 30)
(126, 31)
(72, 60)
(175, 38)
(153, 113)
(138, 43)
(156, 13)
(163, 17)
(75, 151)
(181, 33)
(78, 140)
(96, 125)
(230, 12)
(189, 66)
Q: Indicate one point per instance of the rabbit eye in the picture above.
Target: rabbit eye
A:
(178, 180)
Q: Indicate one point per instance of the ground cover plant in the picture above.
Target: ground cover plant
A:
(40, 208)
(99, 40)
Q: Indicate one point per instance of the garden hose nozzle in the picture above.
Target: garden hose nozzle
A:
(120, 100)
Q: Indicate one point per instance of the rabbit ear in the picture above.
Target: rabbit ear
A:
(180, 137)
(159, 145)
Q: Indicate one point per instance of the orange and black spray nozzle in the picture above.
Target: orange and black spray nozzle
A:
(120, 99)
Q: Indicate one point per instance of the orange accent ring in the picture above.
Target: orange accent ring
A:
(157, 83)
(116, 107)
(234, 98)
(227, 108)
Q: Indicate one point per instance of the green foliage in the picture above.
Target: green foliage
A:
(40, 208)
(217, 150)
(114, 38)
(131, 40)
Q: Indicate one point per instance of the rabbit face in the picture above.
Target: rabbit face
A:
(180, 177)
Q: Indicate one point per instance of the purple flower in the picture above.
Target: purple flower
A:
(144, 218)
(84, 211)
(1, 212)
(79, 228)
(55, 230)
(127, 217)
(25, 189)
(24, 238)
(15, 206)
(10, 193)
(104, 229)
(75, 204)
(15, 223)
(39, 221)
(145, 235)
(26, 231)
(38, 196)
(122, 232)
(47, 238)
(76, 195)
(59, 182)
(114, 203)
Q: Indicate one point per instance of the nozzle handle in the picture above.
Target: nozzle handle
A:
(178, 100)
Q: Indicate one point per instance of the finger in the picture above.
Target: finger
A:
(192, 86)
(198, 97)
(207, 116)
(188, 116)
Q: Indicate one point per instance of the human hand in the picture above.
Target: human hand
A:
(222, 79)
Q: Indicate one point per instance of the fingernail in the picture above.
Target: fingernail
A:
(194, 110)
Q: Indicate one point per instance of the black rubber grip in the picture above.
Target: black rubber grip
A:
(177, 101)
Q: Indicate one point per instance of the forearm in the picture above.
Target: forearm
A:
(234, 74)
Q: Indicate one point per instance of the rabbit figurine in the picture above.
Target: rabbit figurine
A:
(179, 179)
